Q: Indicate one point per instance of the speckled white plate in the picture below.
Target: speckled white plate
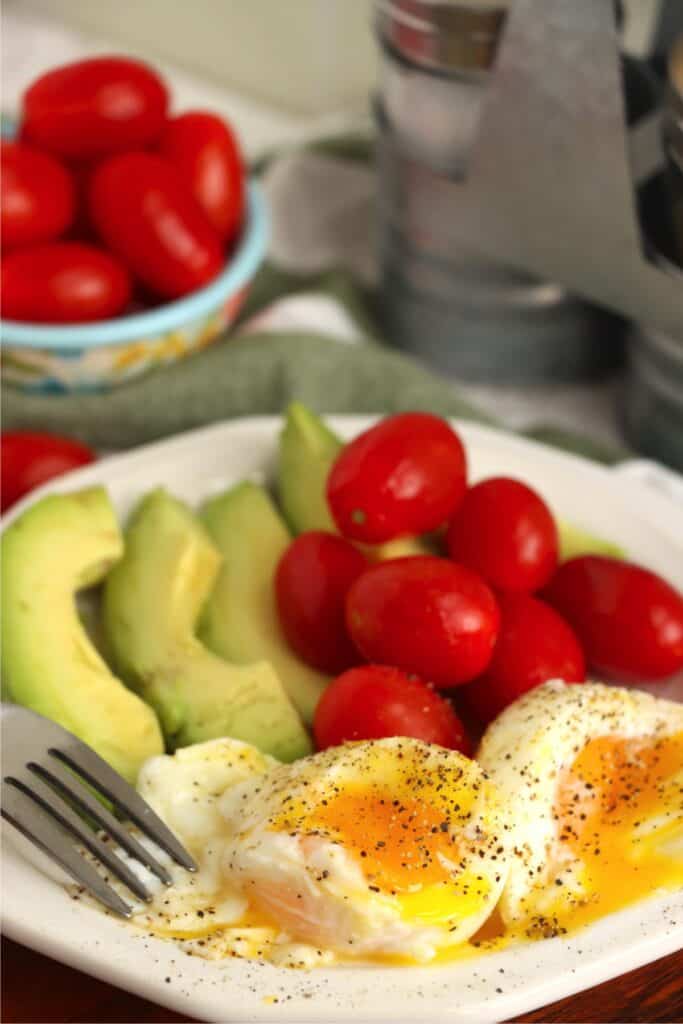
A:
(635, 506)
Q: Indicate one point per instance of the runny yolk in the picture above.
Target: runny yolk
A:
(399, 843)
(620, 811)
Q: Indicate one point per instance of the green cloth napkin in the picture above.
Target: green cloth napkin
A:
(252, 375)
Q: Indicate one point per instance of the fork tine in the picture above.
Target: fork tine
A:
(105, 780)
(70, 787)
(70, 821)
(49, 838)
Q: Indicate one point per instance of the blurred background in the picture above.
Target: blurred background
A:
(308, 57)
(359, 136)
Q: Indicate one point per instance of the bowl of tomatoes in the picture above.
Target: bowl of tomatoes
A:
(131, 235)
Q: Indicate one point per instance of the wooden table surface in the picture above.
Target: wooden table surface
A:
(36, 990)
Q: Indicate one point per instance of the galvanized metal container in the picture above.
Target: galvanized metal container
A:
(465, 314)
(484, 322)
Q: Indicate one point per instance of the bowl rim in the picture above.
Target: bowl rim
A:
(241, 266)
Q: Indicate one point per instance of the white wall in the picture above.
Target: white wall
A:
(310, 56)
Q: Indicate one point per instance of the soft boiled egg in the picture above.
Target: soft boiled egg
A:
(386, 848)
(389, 847)
(592, 777)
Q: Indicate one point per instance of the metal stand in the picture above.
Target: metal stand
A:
(549, 189)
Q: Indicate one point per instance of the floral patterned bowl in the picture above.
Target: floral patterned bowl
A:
(95, 357)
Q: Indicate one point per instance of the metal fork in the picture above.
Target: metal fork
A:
(45, 770)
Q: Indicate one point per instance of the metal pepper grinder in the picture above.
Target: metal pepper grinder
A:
(504, 190)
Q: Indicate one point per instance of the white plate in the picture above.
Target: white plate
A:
(37, 912)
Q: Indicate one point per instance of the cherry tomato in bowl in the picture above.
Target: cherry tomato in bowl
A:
(37, 196)
(94, 107)
(374, 701)
(206, 154)
(534, 644)
(29, 459)
(311, 583)
(62, 283)
(147, 216)
(506, 532)
(424, 615)
(629, 620)
(403, 477)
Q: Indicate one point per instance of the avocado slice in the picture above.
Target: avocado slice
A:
(240, 621)
(574, 542)
(152, 602)
(308, 449)
(63, 543)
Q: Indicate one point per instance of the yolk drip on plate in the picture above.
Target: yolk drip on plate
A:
(620, 812)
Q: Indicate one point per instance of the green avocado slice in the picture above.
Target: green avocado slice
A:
(574, 542)
(307, 450)
(240, 621)
(62, 544)
(152, 602)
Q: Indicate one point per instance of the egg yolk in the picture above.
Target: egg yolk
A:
(620, 812)
(407, 849)
(402, 844)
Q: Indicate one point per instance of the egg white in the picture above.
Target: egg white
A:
(184, 790)
(205, 914)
